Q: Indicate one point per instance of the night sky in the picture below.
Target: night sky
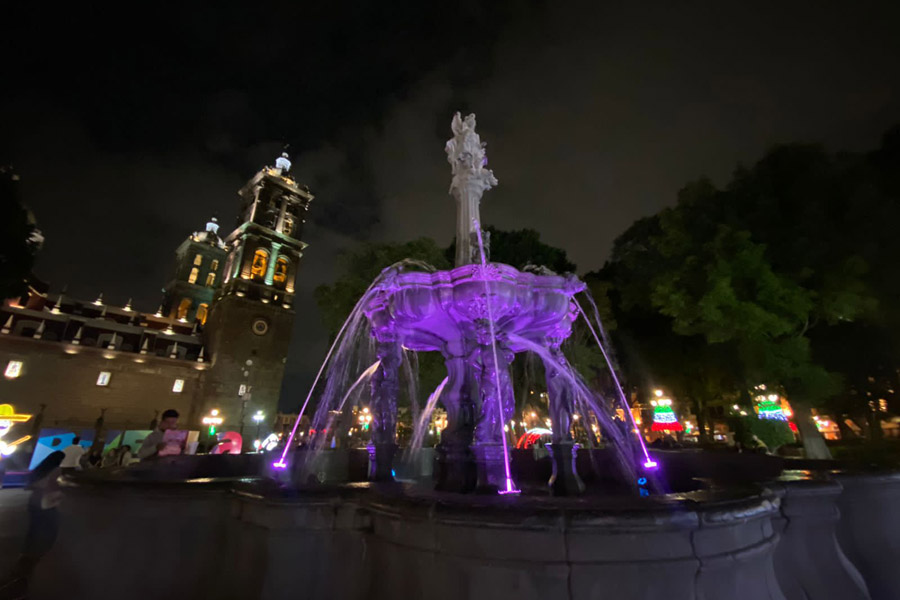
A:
(130, 129)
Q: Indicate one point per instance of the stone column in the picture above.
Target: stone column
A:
(273, 258)
(455, 469)
(565, 480)
(488, 449)
(385, 387)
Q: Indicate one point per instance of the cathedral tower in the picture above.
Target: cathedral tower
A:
(250, 323)
(199, 263)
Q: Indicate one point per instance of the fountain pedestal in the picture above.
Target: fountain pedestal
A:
(565, 480)
(381, 461)
(490, 463)
(455, 468)
(385, 387)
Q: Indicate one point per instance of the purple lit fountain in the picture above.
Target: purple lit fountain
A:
(478, 315)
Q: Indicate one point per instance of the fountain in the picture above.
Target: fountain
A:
(478, 316)
(386, 540)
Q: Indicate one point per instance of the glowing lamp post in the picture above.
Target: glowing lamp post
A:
(213, 420)
(258, 419)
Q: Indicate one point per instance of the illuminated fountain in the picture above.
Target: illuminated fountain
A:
(395, 542)
(478, 315)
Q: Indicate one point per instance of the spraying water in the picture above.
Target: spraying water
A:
(344, 344)
(327, 429)
(424, 416)
(649, 463)
(585, 395)
(510, 487)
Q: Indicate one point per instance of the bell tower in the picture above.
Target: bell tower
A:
(249, 327)
(199, 262)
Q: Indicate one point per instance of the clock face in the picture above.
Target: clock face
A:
(260, 326)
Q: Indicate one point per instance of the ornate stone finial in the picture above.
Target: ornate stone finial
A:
(466, 155)
(471, 179)
(283, 163)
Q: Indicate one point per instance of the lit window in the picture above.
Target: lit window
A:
(192, 278)
(103, 378)
(214, 266)
(260, 263)
(281, 268)
(287, 226)
(211, 279)
(178, 386)
(202, 313)
(13, 369)
(183, 307)
(198, 260)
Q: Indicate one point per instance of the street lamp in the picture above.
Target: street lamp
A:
(244, 392)
(258, 419)
(213, 420)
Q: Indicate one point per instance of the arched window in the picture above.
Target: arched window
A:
(260, 263)
(211, 279)
(195, 273)
(281, 269)
(198, 260)
(183, 307)
(214, 266)
(202, 313)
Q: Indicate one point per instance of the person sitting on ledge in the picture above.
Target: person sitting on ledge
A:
(153, 443)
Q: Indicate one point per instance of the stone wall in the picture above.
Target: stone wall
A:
(189, 541)
(67, 383)
(237, 330)
(164, 530)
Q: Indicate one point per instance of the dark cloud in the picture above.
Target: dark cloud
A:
(130, 132)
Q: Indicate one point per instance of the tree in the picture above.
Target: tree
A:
(794, 244)
(521, 248)
(17, 238)
(361, 265)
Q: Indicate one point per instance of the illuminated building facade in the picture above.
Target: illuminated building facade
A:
(218, 340)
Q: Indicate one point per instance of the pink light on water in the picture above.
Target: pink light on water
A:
(510, 488)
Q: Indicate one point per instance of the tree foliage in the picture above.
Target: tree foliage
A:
(793, 245)
(521, 248)
(361, 265)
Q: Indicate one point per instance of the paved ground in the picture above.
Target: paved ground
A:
(13, 524)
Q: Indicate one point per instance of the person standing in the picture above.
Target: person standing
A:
(153, 443)
(125, 457)
(73, 455)
(43, 524)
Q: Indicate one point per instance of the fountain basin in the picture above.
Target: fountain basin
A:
(869, 528)
(226, 538)
(809, 561)
(427, 311)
